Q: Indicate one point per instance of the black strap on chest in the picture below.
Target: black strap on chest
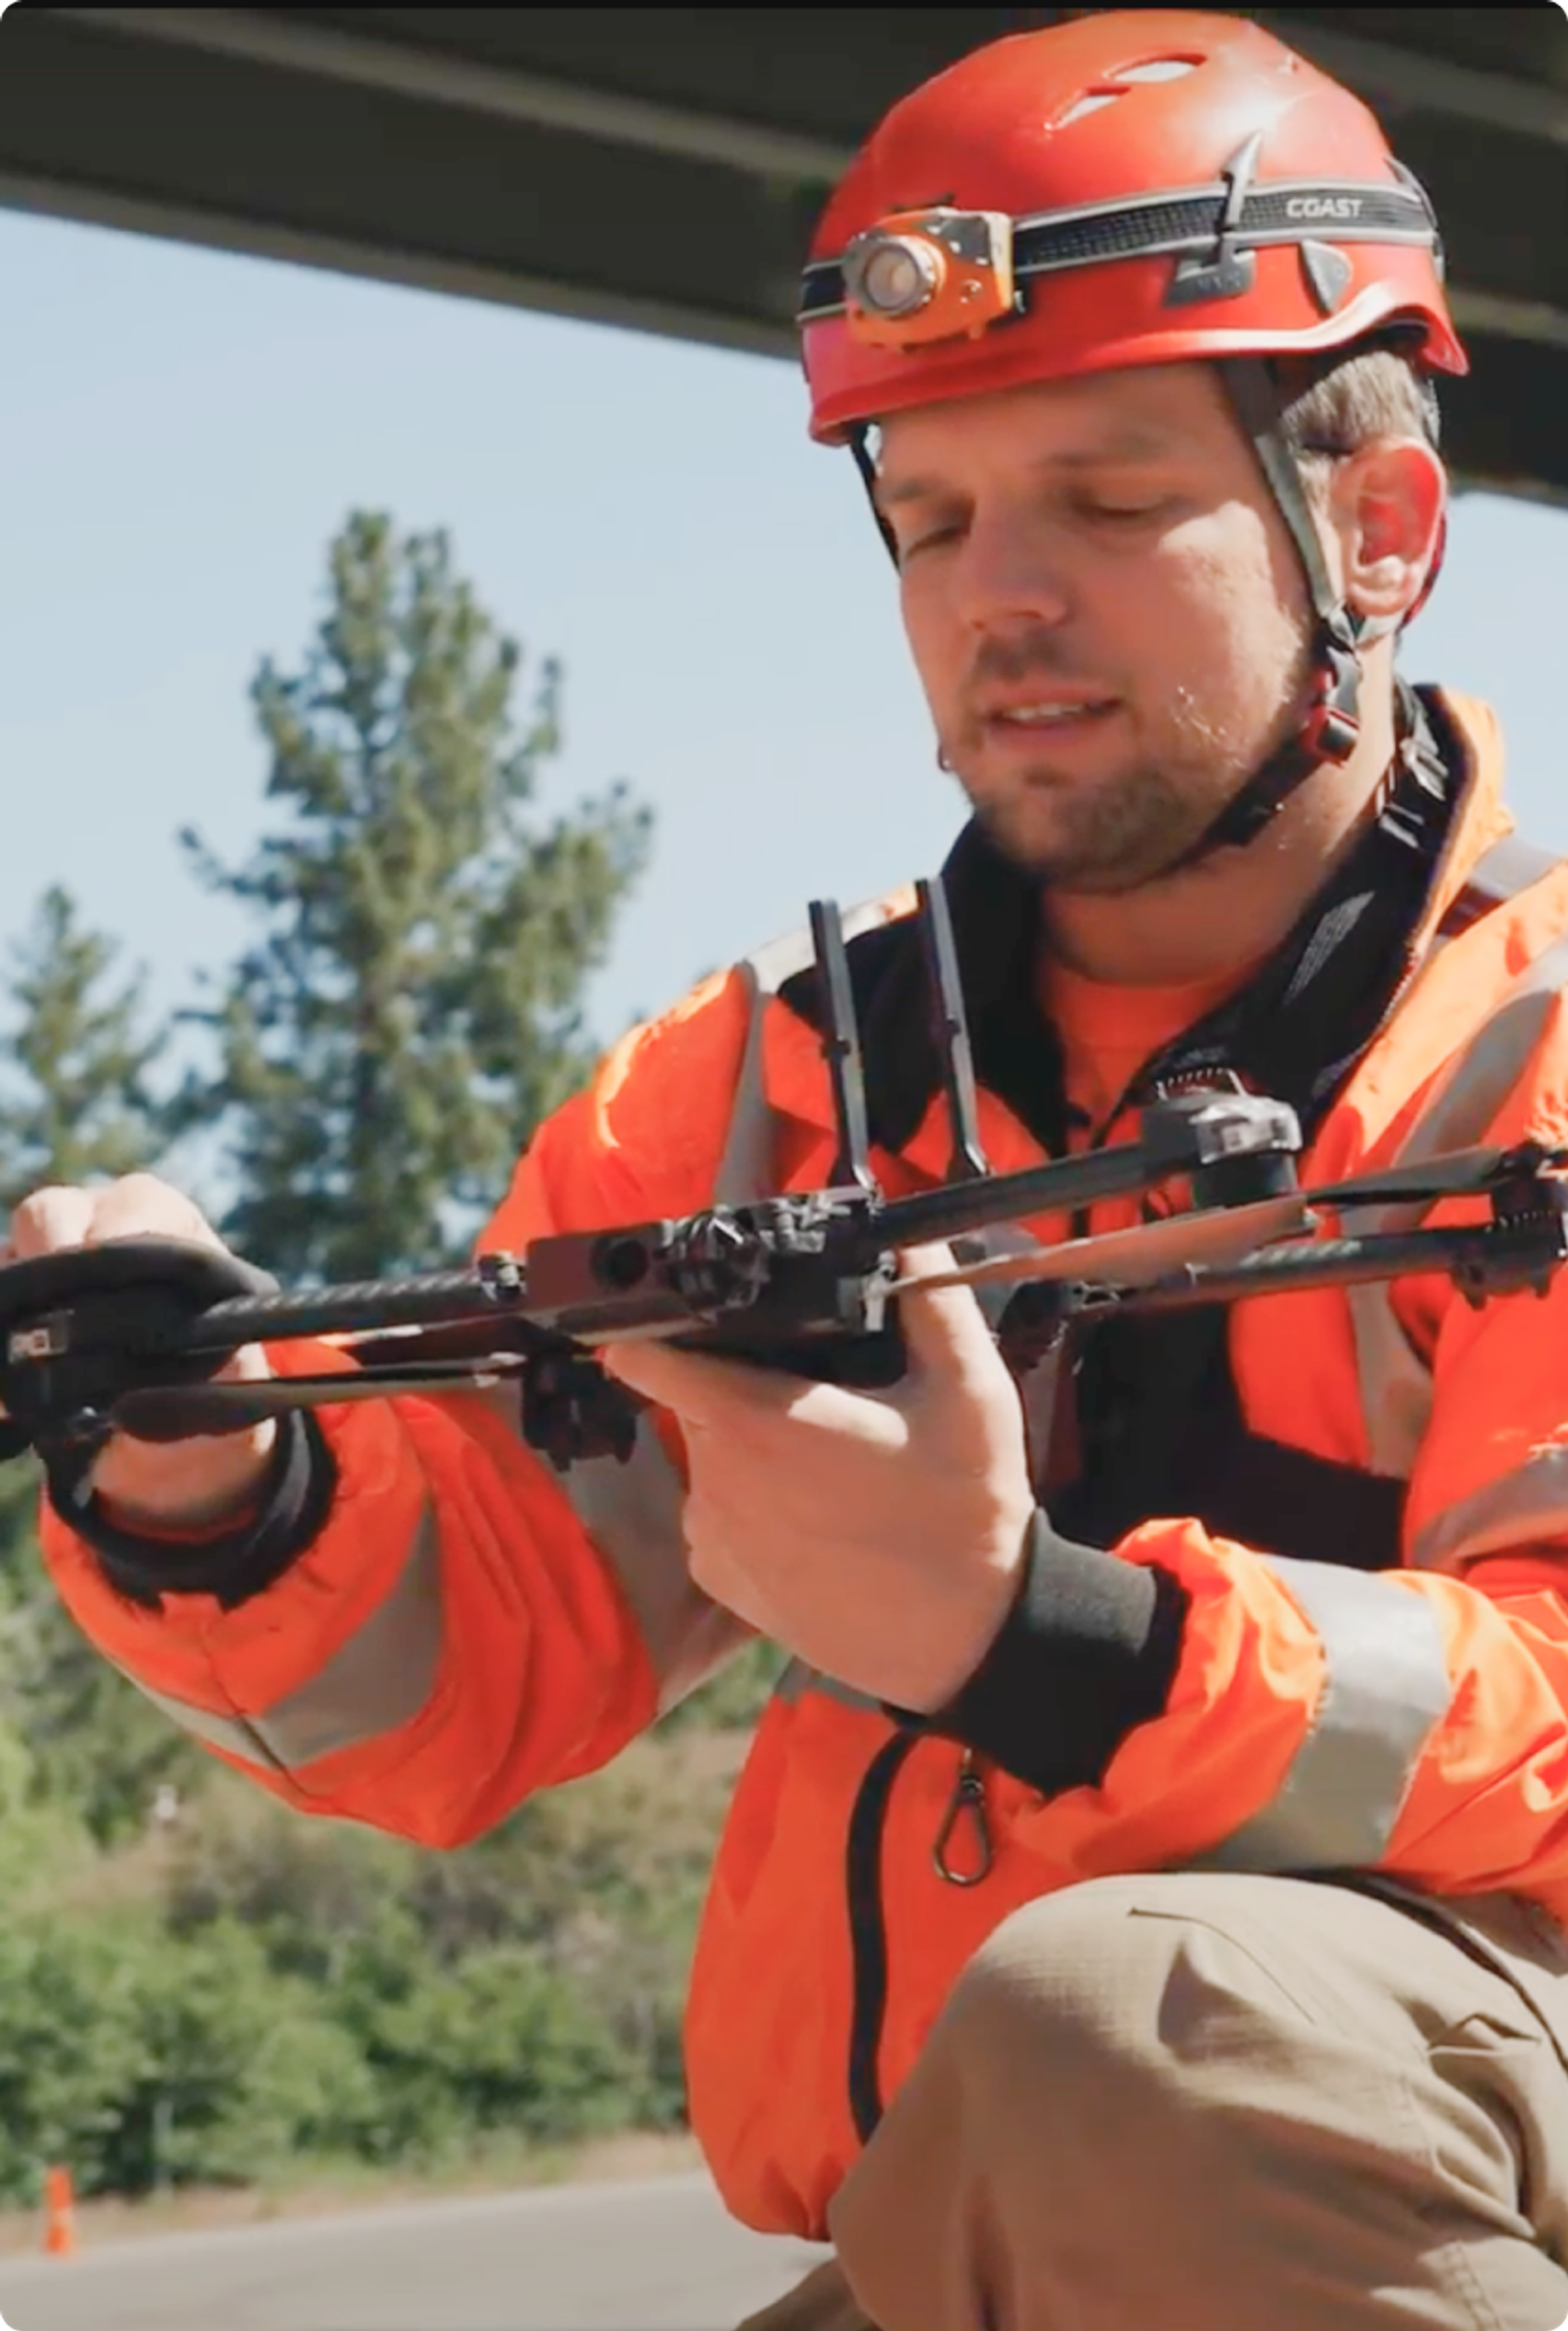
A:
(1159, 1429)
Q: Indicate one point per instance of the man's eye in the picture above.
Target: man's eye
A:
(1123, 513)
(930, 538)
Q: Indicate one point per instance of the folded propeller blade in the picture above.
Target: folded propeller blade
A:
(1137, 1257)
(179, 1412)
(1461, 1174)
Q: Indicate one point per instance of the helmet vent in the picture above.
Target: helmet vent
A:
(1122, 84)
(1158, 69)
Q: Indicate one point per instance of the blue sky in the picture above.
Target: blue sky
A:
(184, 430)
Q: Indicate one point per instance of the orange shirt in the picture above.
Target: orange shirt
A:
(1108, 1031)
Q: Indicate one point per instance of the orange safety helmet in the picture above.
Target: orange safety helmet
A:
(1131, 187)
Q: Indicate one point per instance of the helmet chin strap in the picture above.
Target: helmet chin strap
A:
(1330, 727)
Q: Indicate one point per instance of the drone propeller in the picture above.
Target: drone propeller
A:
(1134, 1256)
(1461, 1174)
(182, 1411)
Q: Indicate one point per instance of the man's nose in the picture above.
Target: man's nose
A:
(1011, 574)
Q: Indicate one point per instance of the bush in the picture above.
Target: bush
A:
(70, 2053)
(501, 2042)
(258, 1987)
(238, 2067)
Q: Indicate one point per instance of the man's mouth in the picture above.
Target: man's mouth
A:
(1052, 713)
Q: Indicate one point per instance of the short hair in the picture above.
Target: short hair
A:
(1367, 391)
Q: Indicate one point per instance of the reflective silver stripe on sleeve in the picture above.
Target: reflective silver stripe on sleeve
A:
(1473, 1088)
(798, 1679)
(1501, 872)
(745, 1166)
(632, 1513)
(1385, 1690)
(1529, 1504)
(1395, 1382)
(746, 1158)
(375, 1682)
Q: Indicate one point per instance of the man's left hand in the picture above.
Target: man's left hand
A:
(879, 1536)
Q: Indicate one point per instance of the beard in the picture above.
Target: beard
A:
(1135, 822)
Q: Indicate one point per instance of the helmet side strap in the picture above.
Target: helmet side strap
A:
(1330, 727)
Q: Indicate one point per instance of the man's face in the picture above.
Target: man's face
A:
(1105, 608)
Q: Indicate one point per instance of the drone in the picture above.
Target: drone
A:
(129, 1336)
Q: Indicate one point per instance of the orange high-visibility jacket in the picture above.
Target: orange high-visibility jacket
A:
(466, 1628)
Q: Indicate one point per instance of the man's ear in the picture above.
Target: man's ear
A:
(1386, 505)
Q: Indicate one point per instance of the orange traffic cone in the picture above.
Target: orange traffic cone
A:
(58, 2221)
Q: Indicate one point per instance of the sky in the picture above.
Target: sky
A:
(184, 432)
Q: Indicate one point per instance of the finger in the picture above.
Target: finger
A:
(944, 1330)
(709, 1534)
(713, 1395)
(697, 1390)
(141, 1206)
(50, 1218)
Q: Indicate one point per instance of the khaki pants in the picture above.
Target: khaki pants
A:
(1205, 2102)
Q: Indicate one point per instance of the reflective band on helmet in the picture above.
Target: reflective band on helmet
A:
(1386, 1687)
(375, 1683)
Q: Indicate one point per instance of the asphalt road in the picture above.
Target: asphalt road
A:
(654, 2256)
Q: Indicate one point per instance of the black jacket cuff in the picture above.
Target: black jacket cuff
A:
(1089, 1650)
(293, 1502)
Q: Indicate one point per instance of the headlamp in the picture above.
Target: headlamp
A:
(920, 276)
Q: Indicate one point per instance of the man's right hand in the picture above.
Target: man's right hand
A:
(146, 1486)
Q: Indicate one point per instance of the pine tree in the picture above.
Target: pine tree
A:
(411, 1007)
(75, 1103)
(75, 1106)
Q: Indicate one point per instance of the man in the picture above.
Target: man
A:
(1142, 1899)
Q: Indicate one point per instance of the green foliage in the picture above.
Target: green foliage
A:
(236, 2066)
(76, 1101)
(99, 1746)
(499, 2040)
(76, 1105)
(69, 2052)
(40, 1843)
(410, 1008)
(142, 2064)
(251, 1987)
(260, 1989)
(21, 1570)
(734, 1699)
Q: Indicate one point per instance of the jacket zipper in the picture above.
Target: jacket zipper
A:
(869, 1931)
(868, 1921)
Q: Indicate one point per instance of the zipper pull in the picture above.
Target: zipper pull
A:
(967, 1804)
